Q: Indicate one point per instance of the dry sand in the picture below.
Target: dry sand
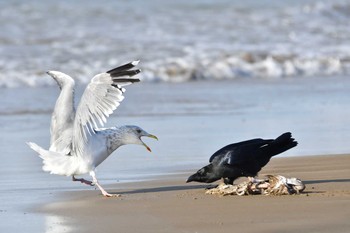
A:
(170, 205)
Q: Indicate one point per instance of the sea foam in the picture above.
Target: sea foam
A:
(175, 41)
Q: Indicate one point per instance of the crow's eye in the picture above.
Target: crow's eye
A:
(138, 131)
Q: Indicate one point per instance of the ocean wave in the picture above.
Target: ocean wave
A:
(247, 65)
(175, 41)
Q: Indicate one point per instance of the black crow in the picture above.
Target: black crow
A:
(242, 159)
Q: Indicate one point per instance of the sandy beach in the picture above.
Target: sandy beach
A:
(170, 205)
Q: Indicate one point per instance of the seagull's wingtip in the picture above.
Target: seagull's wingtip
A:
(135, 63)
(30, 144)
(50, 72)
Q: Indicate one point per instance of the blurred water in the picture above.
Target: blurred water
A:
(176, 40)
(192, 121)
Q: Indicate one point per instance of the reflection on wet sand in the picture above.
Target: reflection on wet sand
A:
(56, 224)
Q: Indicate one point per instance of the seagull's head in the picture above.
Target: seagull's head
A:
(62, 79)
(133, 134)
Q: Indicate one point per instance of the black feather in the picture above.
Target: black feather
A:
(245, 158)
(124, 67)
(124, 70)
(125, 80)
(129, 73)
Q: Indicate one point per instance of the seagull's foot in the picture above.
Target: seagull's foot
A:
(105, 194)
(83, 181)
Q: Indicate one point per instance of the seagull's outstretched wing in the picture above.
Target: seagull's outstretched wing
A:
(100, 98)
(63, 114)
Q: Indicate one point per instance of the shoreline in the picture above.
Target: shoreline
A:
(168, 204)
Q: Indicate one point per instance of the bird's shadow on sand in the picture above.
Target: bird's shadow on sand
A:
(311, 182)
(165, 189)
(206, 186)
(306, 182)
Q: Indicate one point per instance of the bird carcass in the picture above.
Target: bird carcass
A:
(271, 185)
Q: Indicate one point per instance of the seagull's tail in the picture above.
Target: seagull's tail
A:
(54, 162)
(42, 152)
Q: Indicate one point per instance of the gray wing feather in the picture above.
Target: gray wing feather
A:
(63, 114)
(100, 98)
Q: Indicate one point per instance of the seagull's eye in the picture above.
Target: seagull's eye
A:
(138, 131)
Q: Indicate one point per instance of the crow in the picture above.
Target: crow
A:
(242, 159)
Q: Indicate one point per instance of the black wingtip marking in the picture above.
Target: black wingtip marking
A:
(125, 80)
(129, 73)
(125, 67)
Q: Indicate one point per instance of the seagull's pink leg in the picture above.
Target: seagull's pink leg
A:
(104, 192)
(83, 181)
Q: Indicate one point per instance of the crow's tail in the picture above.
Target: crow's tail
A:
(281, 144)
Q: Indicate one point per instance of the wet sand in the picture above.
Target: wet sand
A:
(168, 204)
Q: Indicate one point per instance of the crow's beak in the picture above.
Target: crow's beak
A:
(190, 179)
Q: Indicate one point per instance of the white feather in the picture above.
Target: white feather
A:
(72, 132)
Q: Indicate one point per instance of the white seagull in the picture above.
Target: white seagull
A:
(77, 145)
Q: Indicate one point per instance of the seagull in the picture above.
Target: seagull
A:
(77, 144)
(242, 159)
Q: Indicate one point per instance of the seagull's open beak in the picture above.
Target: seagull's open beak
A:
(150, 136)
